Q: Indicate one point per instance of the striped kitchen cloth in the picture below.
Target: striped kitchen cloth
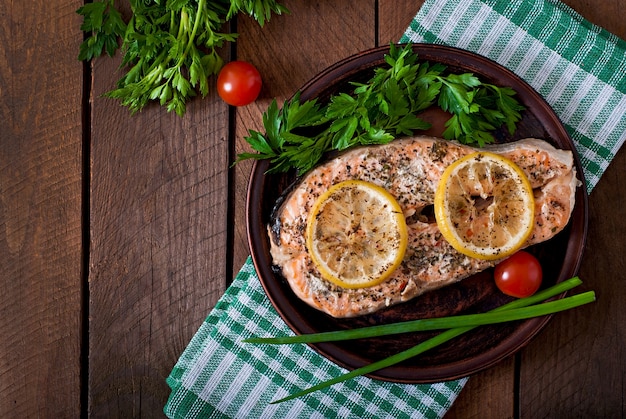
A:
(218, 376)
(579, 69)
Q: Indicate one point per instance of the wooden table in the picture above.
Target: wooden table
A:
(118, 233)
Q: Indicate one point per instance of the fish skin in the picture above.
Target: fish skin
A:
(410, 169)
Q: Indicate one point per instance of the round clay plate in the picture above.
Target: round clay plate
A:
(468, 353)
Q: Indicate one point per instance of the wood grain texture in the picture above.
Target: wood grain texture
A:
(576, 368)
(164, 208)
(608, 14)
(394, 17)
(40, 209)
(159, 205)
(488, 394)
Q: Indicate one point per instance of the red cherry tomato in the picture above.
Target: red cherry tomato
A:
(239, 83)
(519, 276)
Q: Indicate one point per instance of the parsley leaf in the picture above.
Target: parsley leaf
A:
(385, 107)
(104, 22)
(169, 47)
(285, 142)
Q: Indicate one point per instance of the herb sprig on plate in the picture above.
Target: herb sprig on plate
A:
(170, 47)
(384, 108)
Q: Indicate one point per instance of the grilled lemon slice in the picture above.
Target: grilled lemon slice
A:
(484, 206)
(356, 234)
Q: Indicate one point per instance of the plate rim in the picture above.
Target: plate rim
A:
(511, 344)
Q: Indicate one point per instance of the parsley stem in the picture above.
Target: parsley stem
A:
(192, 36)
(182, 25)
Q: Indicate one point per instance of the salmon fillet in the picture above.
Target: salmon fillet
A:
(410, 170)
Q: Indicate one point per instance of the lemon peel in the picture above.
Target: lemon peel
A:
(484, 206)
(356, 234)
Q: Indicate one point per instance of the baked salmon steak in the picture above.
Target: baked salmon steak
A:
(410, 170)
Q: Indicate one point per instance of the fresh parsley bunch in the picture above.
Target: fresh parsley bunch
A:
(170, 46)
(386, 107)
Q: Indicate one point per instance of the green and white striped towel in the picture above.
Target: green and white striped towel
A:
(579, 68)
(581, 71)
(218, 376)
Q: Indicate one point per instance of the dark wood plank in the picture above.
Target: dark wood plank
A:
(394, 18)
(577, 366)
(40, 209)
(609, 14)
(296, 47)
(159, 202)
(488, 394)
(159, 224)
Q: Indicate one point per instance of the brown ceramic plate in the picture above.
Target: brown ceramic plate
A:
(468, 353)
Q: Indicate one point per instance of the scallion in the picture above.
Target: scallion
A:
(440, 323)
(514, 310)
